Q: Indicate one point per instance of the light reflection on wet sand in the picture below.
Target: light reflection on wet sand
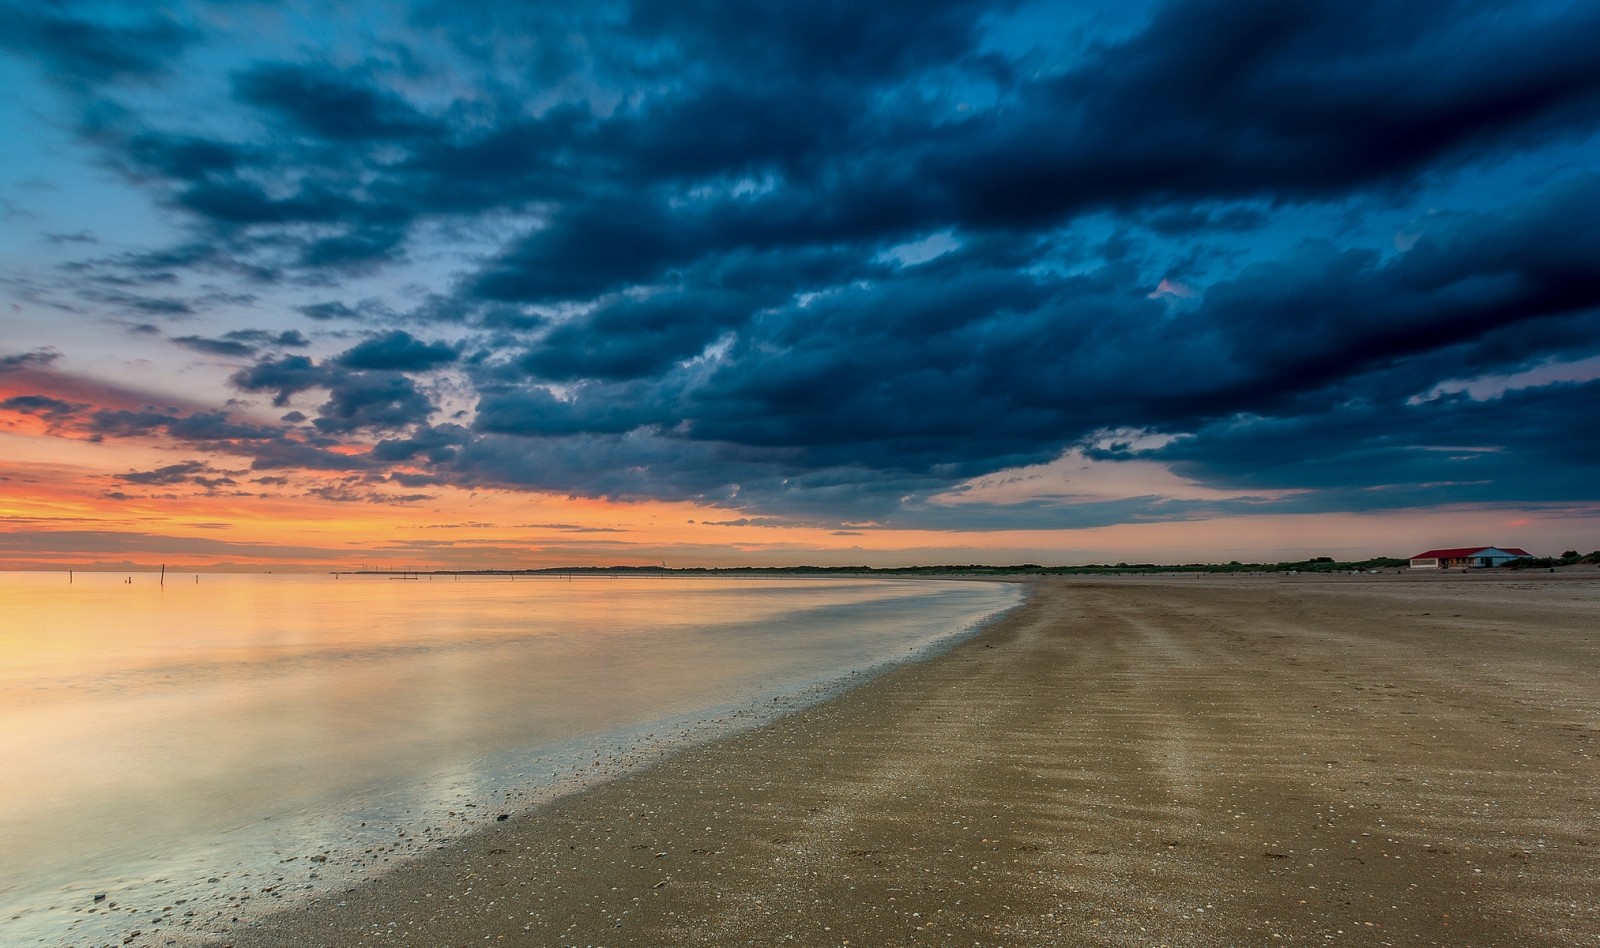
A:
(211, 729)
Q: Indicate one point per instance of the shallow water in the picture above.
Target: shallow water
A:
(193, 746)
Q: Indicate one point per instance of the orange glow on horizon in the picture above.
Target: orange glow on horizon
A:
(70, 500)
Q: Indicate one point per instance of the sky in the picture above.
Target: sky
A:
(504, 285)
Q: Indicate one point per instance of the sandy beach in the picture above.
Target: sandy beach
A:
(1216, 760)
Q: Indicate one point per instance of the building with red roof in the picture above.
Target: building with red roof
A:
(1468, 557)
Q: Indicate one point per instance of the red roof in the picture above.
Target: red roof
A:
(1466, 551)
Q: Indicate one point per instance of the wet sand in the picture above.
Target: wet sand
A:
(1221, 760)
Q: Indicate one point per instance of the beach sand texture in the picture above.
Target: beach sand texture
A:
(1184, 761)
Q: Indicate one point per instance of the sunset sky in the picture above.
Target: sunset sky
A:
(509, 284)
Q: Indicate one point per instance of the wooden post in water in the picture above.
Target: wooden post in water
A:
(69, 577)
(163, 574)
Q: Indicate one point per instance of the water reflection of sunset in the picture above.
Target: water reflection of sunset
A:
(157, 736)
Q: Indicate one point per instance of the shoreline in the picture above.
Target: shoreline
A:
(1123, 761)
(317, 867)
(88, 876)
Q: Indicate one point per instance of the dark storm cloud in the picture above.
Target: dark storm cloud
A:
(853, 43)
(356, 248)
(633, 466)
(1476, 294)
(1448, 449)
(367, 389)
(324, 175)
(437, 444)
(263, 209)
(237, 203)
(838, 258)
(398, 351)
(634, 338)
(373, 401)
(78, 51)
(587, 250)
(956, 368)
(599, 409)
(734, 127)
(1180, 221)
(324, 105)
(1304, 100)
(1211, 101)
(507, 165)
(184, 157)
(283, 376)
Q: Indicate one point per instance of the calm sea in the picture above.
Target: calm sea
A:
(174, 756)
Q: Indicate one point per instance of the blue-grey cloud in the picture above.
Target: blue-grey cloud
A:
(194, 472)
(1293, 101)
(283, 376)
(324, 105)
(397, 351)
(204, 427)
(53, 410)
(38, 358)
(1451, 448)
(329, 310)
(80, 51)
(376, 401)
(438, 444)
(960, 369)
(633, 338)
(243, 343)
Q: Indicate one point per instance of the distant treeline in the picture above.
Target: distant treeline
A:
(1319, 564)
(1569, 558)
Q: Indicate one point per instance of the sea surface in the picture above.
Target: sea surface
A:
(176, 757)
